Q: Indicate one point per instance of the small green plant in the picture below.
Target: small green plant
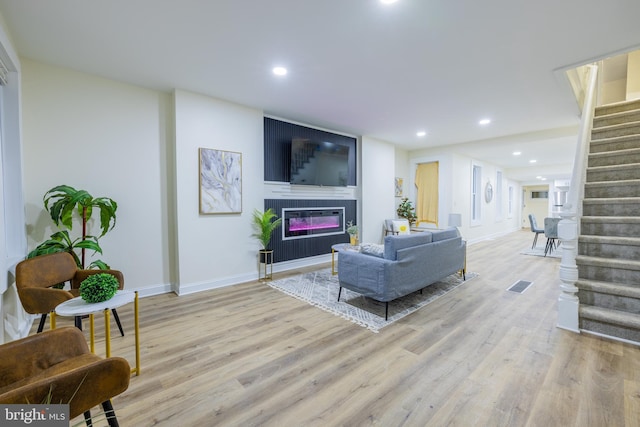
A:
(352, 229)
(407, 211)
(265, 223)
(99, 287)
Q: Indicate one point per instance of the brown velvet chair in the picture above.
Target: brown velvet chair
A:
(36, 276)
(59, 362)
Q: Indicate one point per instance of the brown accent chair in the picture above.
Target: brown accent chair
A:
(36, 276)
(59, 362)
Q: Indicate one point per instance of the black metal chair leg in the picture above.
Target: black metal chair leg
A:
(78, 322)
(386, 311)
(110, 414)
(464, 274)
(115, 316)
(43, 319)
(339, 292)
(535, 241)
(87, 418)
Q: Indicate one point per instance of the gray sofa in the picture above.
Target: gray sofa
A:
(407, 264)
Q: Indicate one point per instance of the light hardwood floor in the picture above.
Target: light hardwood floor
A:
(248, 355)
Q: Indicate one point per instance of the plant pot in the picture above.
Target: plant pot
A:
(353, 240)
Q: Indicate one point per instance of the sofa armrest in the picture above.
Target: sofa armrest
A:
(365, 274)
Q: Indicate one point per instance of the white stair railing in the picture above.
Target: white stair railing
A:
(569, 225)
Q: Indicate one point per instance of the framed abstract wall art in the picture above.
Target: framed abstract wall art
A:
(220, 181)
(398, 186)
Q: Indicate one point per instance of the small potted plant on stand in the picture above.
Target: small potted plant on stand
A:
(407, 211)
(265, 223)
(352, 229)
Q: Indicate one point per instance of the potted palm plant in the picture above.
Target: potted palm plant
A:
(64, 204)
(265, 224)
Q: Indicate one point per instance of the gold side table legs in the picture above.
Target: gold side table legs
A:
(136, 370)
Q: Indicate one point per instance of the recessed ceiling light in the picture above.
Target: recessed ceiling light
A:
(421, 133)
(279, 71)
(484, 122)
(388, 1)
(538, 177)
(517, 153)
(532, 161)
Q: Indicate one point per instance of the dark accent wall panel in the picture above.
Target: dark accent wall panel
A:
(301, 248)
(277, 148)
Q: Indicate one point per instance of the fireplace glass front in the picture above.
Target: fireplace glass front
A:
(301, 223)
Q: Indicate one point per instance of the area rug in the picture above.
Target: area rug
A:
(539, 251)
(320, 288)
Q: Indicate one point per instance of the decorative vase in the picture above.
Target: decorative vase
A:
(353, 240)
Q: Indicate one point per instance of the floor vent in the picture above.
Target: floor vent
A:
(520, 286)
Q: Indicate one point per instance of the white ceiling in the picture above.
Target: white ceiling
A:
(355, 66)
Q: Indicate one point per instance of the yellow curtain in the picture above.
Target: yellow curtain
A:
(427, 193)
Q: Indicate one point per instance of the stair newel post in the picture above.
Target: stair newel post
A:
(568, 303)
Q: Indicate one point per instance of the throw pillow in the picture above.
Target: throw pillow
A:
(372, 249)
(401, 226)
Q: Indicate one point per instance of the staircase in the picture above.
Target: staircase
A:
(609, 244)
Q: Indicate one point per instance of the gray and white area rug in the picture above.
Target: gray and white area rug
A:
(539, 251)
(320, 288)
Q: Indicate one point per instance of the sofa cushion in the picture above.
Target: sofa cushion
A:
(392, 244)
(449, 233)
(401, 226)
(372, 249)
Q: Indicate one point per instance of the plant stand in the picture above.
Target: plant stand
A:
(265, 267)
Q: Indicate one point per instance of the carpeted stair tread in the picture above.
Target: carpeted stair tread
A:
(600, 184)
(610, 240)
(621, 129)
(610, 200)
(614, 143)
(617, 117)
(614, 157)
(609, 316)
(613, 172)
(612, 189)
(617, 107)
(621, 264)
(614, 153)
(611, 219)
(619, 289)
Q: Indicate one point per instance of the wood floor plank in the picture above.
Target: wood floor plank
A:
(249, 355)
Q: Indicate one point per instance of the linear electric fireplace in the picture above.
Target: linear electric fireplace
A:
(300, 223)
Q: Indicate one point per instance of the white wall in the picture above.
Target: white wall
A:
(14, 321)
(633, 76)
(216, 250)
(455, 193)
(377, 167)
(112, 140)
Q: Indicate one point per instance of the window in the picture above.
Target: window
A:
(499, 208)
(539, 194)
(476, 194)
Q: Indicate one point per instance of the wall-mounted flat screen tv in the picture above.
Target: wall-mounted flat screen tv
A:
(319, 163)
